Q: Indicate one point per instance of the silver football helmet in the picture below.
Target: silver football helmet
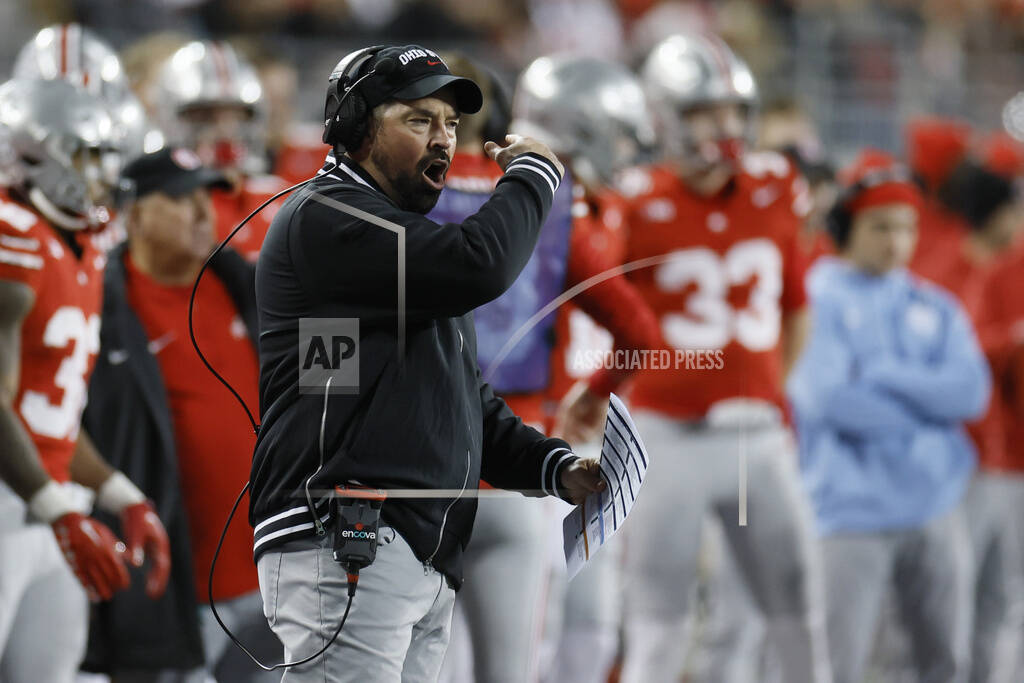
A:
(590, 109)
(60, 149)
(1013, 116)
(203, 77)
(73, 53)
(687, 72)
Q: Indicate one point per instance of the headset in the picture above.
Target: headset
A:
(346, 115)
(839, 220)
(346, 111)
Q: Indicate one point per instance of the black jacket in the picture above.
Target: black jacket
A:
(129, 420)
(422, 421)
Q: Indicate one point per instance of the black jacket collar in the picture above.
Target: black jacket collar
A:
(346, 170)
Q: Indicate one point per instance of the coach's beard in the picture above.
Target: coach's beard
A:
(419, 189)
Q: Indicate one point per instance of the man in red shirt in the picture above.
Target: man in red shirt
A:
(211, 101)
(720, 228)
(50, 286)
(146, 352)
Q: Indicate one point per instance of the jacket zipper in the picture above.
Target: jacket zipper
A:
(320, 531)
(428, 563)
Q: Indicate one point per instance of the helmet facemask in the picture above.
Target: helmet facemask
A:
(224, 136)
(706, 100)
(209, 99)
(75, 189)
(60, 151)
(707, 136)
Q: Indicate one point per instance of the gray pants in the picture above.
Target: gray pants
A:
(584, 615)
(503, 596)
(398, 627)
(931, 569)
(728, 628)
(43, 609)
(693, 472)
(994, 509)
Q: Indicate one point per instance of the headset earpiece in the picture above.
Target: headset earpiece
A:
(345, 110)
(352, 115)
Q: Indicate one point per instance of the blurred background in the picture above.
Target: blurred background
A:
(860, 69)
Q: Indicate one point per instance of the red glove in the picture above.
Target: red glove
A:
(94, 553)
(146, 537)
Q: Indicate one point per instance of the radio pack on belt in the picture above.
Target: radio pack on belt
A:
(356, 520)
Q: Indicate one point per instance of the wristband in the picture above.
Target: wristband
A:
(50, 503)
(117, 493)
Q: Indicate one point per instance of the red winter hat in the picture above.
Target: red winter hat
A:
(935, 146)
(876, 178)
(1003, 155)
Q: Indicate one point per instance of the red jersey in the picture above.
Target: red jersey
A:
(610, 315)
(213, 438)
(940, 238)
(966, 279)
(60, 334)
(1001, 332)
(724, 271)
(231, 208)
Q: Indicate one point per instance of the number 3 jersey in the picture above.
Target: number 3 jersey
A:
(725, 270)
(59, 335)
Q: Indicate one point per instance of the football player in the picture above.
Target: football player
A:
(58, 163)
(510, 539)
(210, 100)
(594, 115)
(721, 227)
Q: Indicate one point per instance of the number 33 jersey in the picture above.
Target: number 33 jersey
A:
(725, 271)
(59, 335)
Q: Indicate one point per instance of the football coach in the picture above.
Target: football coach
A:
(368, 371)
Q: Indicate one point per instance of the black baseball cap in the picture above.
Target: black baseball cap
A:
(175, 171)
(410, 72)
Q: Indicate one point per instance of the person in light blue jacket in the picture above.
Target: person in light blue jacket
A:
(890, 373)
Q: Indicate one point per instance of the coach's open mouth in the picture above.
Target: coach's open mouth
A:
(435, 173)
